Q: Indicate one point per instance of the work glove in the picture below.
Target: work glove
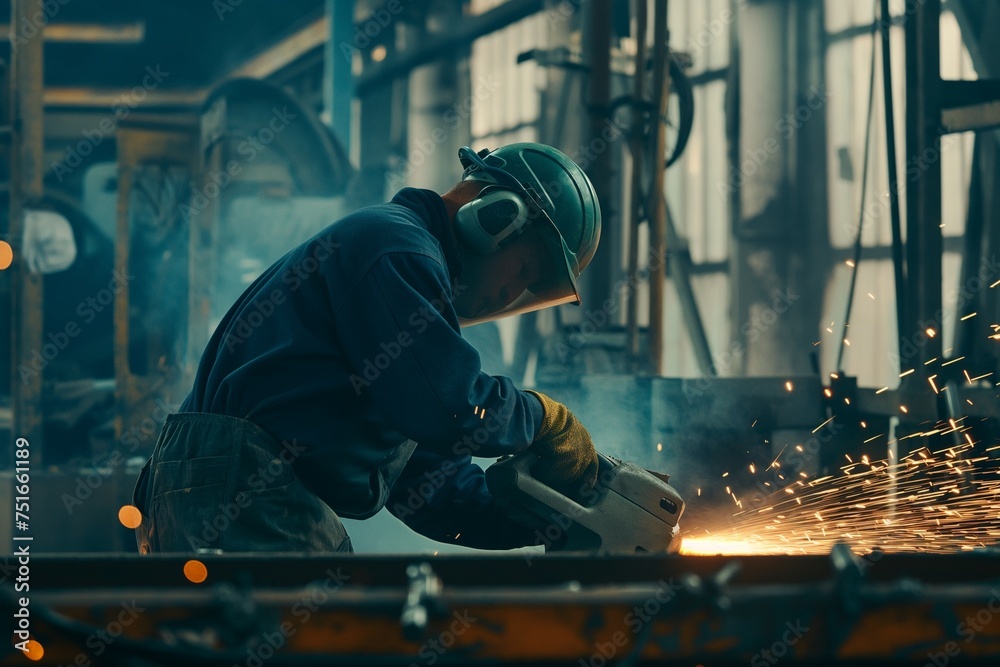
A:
(567, 460)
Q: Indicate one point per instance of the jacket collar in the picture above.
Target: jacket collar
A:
(430, 208)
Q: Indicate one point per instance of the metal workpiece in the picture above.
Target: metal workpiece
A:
(893, 609)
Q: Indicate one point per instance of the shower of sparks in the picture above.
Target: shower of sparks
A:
(941, 501)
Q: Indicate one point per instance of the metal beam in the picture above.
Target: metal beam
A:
(679, 261)
(109, 98)
(983, 116)
(91, 33)
(444, 46)
(970, 105)
(285, 52)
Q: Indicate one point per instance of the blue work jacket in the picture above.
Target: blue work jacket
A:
(348, 349)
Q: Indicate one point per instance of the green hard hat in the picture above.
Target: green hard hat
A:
(562, 190)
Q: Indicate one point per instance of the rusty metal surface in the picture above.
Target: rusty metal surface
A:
(523, 609)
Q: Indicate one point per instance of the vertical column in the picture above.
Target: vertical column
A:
(26, 84)
(923, 187)
(337, 84)
(381, 113)
(598, 56)
(657, 204)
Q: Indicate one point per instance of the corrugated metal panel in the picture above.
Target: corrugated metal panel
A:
(871, 356)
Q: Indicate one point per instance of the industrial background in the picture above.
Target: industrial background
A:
(794, 311)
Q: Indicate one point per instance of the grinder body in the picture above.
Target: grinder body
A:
(629, 510)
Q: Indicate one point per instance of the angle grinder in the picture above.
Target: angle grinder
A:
(629, 510)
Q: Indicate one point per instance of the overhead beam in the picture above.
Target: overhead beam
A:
(288, 50)
(306, 40)
(91, 33)
(82, 97)
(444, 46)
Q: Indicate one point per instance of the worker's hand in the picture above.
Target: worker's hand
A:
(567, 458)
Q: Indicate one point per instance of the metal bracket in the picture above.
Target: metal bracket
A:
(423, 597)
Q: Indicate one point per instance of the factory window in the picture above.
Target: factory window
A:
(873, 321)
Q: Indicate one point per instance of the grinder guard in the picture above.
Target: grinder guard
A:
(630, 510)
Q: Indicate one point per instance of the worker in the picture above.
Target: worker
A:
(339, 382)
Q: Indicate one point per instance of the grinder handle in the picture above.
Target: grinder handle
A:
(526, 482)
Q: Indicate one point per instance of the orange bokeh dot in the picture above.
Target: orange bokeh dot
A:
(130, 516)
(35, 650)
(195, 571)
(6, 255)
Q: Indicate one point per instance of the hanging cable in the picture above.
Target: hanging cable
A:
(899, 268)
(864, 193)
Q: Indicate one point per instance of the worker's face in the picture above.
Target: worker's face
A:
(490, 283)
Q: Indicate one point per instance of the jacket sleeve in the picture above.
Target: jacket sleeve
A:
(446, 499)
(403, 346)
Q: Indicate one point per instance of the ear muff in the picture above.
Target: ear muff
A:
(491, 220)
